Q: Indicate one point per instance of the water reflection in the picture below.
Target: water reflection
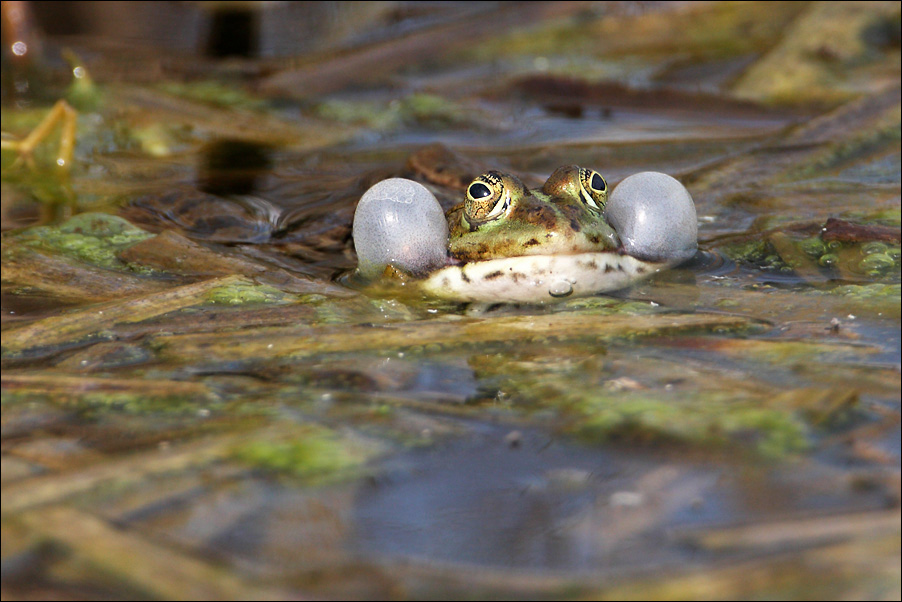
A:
(234, 31)
(233, 167)
(540, 503)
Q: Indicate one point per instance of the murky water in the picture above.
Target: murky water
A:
(191, 389)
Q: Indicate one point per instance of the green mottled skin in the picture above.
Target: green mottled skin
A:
(555, 220)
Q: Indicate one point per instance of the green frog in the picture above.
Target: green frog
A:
(502, 218)
(506, 243)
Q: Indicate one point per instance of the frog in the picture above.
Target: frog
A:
(501, 217)
(507, 243)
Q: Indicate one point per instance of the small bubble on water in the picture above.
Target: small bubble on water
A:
(828, 259)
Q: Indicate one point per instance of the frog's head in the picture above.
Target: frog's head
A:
(502, 218)
(508, 243)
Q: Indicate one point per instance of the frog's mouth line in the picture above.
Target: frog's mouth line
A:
(539, 278)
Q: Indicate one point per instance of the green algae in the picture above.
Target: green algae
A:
(370, 114)
(700, 421)
(415, 109)
(98, 397)
(216, 93)
(431, 109)
(586, 393)
(752, 251)
(329, 311)
(97, 404)
(92, 238)
(241, 292)
(814, 259)
(315, 454)
(364, 309)
(888, 216)
(98, 322)
(865, 292)
(439, 334)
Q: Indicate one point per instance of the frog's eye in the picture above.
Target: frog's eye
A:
(478, 190)
(593, 188)
(487, 198)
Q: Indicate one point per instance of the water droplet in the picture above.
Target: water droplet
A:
(19, 48)
(561, 288)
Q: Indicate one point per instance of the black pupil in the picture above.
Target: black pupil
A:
(597, 182)
(479, 191)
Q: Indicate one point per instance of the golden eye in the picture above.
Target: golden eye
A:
(487, 198)
(593, 188)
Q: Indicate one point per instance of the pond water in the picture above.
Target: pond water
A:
(196, 404)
